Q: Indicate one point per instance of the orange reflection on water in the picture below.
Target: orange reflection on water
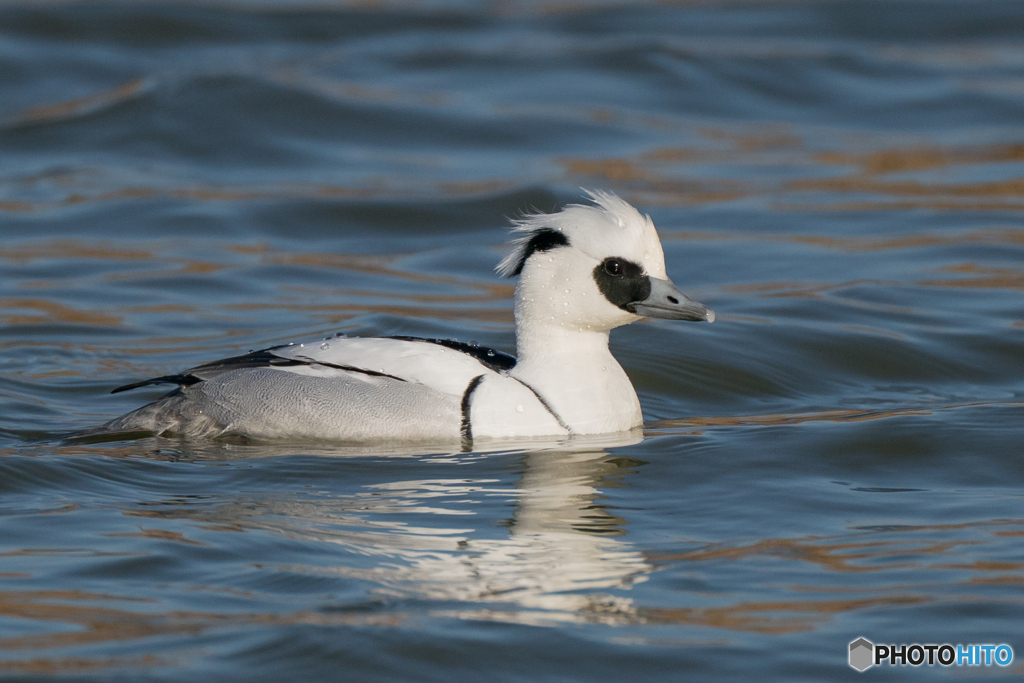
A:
(207, 193)
(766, 137)
(683, 175)
(96, 624)
(771, 617)
(912, 188)
(631, 176)
(446, 306)
(799, 289)
(339, 313)
(375, 264)
(988, 236)
(59, 665)
(701, 173)
(881, 162)
(900, 548)
(671, 426)
(871, 167)
(46, 312)
(833, 554)
(778, 419)
(73, 249)
(160, 535)
(985, 278)
(70, 109)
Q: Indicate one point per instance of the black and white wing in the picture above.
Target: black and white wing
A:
(444, 365)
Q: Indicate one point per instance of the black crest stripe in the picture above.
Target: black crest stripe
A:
(544, 239)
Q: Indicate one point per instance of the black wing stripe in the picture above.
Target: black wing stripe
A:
(256, 359)
(253, 359)
(180, 380)
(350, 368)
(467, 425)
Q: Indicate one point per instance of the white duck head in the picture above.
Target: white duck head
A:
(593, 268)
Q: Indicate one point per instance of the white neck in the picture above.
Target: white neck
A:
(571, 368)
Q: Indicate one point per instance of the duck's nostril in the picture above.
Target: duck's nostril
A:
(673, 299)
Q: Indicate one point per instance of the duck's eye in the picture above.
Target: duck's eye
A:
(613, 267)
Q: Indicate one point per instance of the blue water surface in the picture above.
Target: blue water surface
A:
(838, 456)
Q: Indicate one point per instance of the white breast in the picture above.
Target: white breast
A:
(502, 407)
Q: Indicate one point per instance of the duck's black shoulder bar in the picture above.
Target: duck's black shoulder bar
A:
(499, 361)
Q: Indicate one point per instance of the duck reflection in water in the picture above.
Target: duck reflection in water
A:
(560, 557)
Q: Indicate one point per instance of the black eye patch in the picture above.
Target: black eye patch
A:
(621, 281)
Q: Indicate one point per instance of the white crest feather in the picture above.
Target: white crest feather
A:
(608, 211)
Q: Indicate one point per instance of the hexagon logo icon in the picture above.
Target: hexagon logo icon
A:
(862, 654)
